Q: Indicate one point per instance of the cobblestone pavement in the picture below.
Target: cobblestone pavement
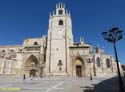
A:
(48, 84)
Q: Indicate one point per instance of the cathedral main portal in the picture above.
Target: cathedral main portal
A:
(31, 66)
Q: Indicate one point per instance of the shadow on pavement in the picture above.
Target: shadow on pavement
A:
(108, 85)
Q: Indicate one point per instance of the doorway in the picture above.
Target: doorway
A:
(79, 71)
(31, 66)
(32, 72)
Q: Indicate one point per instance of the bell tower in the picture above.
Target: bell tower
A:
(59, 39)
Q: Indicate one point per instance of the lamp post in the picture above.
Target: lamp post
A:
(113, 35)
(90, 61)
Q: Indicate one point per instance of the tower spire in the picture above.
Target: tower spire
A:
(59, 4)
(81, 40)
(66, 11)
(56, 6)
(53, 13)
(69, 13)
(98, 45)
(63, 5)
(50, 14)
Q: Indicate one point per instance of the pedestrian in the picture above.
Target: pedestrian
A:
(24, 77)
(31, 77)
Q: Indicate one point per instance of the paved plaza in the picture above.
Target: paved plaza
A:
(50, 84)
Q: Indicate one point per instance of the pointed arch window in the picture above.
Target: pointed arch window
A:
(108, 63)
(60, 22)
(98, 62)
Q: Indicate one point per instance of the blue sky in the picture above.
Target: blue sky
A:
(20, 19)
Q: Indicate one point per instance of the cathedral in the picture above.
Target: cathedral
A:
(56, 54)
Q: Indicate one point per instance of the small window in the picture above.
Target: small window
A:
(12, 50)
(60, 22)
(108, 63)
(60, 63)
(60, 12)
(98, 62)
(3, 50)
(20, 50)
(60, 68)
(35, 43)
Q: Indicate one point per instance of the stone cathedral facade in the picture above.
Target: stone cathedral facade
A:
(56, 54)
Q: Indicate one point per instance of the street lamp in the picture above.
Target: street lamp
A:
(90, 61)
(113, 35)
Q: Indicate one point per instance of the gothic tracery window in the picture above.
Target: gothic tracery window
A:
(98, 62)
(108, 63)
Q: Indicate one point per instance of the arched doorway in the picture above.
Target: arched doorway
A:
(79, 70)
(79, 67)
(31, 66)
